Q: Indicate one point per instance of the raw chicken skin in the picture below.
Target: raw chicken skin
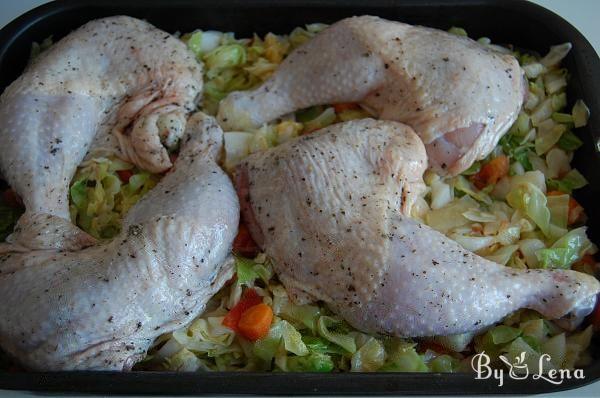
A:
(331, 210)
(458, 95)
(116, 71)
(102, 307)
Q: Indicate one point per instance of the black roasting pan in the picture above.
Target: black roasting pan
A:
(523, 24)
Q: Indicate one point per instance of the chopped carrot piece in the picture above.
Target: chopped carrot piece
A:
(255, 322)
(555, 193)
(575, 211)
(125, 175)
(243, 243)
(491, 172)
(345, 106)
(249, 299)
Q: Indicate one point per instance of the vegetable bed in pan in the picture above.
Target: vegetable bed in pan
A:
(490, 209)
(514, 206)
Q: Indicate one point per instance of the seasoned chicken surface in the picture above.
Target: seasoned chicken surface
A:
(102, 307)
(118, 80)
(458, 95)
(331, 210)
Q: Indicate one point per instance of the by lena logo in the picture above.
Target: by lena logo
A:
(521, 369)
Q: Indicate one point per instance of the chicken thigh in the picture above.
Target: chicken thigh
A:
(458, 95)
(119, 80)
(331, 210)
(102, 307)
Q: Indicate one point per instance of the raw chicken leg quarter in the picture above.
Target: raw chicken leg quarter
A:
(68, 301)
(109, 84)
(102, 307)
(458, 95)
(331, 210)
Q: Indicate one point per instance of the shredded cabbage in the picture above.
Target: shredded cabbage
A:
(566, 250)
(556, 54)
(369, 358)
(450, 216)
(473, 243)
(548, 135)
(580, 113)
(503, 255)
(302, 338)
(403, 358)
(559, 210)
(444, 364)
(525, 331)
(328, 329)
(457, 31)
(558, 163)
(322, 120)
(203, 42)
(313, 362)
(569, 141)
(571, 181)
(463, 185)
(531, 201)
(100, 199)
(512, 223)
(529, 248)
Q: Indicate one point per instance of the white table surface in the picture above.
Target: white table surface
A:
(583, 14)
